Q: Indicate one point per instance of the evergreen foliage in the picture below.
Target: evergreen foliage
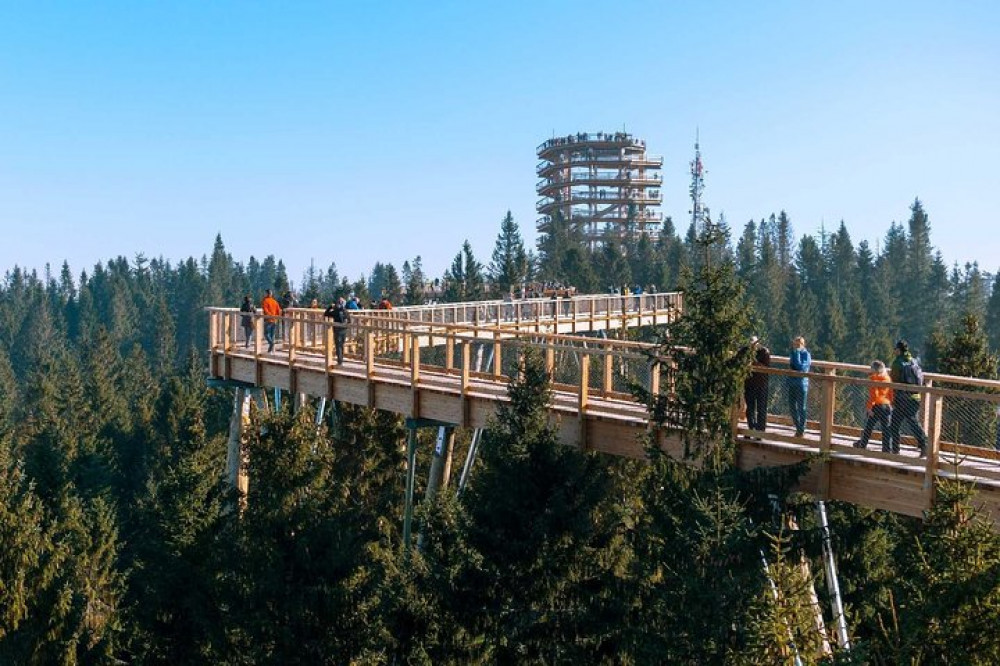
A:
(509, 268)
(121, 543)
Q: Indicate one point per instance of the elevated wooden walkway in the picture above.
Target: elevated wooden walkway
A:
(428, 362)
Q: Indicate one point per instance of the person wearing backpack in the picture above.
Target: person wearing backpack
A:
(338, 312)
(906, 404)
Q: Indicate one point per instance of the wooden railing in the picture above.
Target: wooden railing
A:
(593, 376)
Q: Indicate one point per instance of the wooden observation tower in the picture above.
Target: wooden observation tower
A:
(601, 183)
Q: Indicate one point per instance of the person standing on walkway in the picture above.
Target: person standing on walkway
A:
(246, 321)
(337, 312)
(271, 311)
(906, 404)
(756, 388)
(798, 387)
(879, 407)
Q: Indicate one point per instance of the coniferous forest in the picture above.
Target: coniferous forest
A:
(121, 542)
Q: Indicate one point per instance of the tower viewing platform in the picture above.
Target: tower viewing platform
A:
(602, 183)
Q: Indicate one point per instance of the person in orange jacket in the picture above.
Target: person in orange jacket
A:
(271, 311)
(879, 407)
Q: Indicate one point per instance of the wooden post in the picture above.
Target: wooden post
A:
(230, 331)
(609, 368)
(935, 407)
(497, 365)
(414, 375)
(466, 360)
(449, 352)
(654, 378)
(828, 402)
(290, 340)
(550, 360)
(369, 353)
(213, 330)
(328, 346)
(370, 366)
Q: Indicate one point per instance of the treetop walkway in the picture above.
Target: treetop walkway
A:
(451, 364)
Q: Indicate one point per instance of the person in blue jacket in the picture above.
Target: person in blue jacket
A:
(798, 387)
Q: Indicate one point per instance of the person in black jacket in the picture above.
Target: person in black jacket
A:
(341, 318)
(246, 321)
(756, 389)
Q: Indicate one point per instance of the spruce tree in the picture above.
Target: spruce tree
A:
(532, 556)
(413, 281)
(992, 321)
(967, 354)
(948, 598)
(509, 266)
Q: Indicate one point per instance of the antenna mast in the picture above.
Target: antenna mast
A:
(699, 212)
(700, 217)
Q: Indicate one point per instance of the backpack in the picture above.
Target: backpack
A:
(911, 373)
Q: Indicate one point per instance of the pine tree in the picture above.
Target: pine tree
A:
(509, 267)
(704, 367)
(614, 269)
(413, 281)
(176, 551)
(992, 323)
(546, 546)
(949, 599)
(464, 280)
(967, 354)
(303, 588)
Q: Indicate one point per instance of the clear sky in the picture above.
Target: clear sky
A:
(358, 132)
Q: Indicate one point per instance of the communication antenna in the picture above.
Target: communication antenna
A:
(700, 217)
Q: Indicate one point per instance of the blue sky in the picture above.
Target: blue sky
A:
(379, 131)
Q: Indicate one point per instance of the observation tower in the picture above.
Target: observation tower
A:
(601, 183)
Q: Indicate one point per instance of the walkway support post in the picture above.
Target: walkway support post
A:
(832, 583)
(435, 478)
(411, 478)
(235, 468)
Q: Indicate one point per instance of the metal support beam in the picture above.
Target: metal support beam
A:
(449, 450)
(470, 459)
(411, 479)
(437, 464)
(320, 411)
(833, 584)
